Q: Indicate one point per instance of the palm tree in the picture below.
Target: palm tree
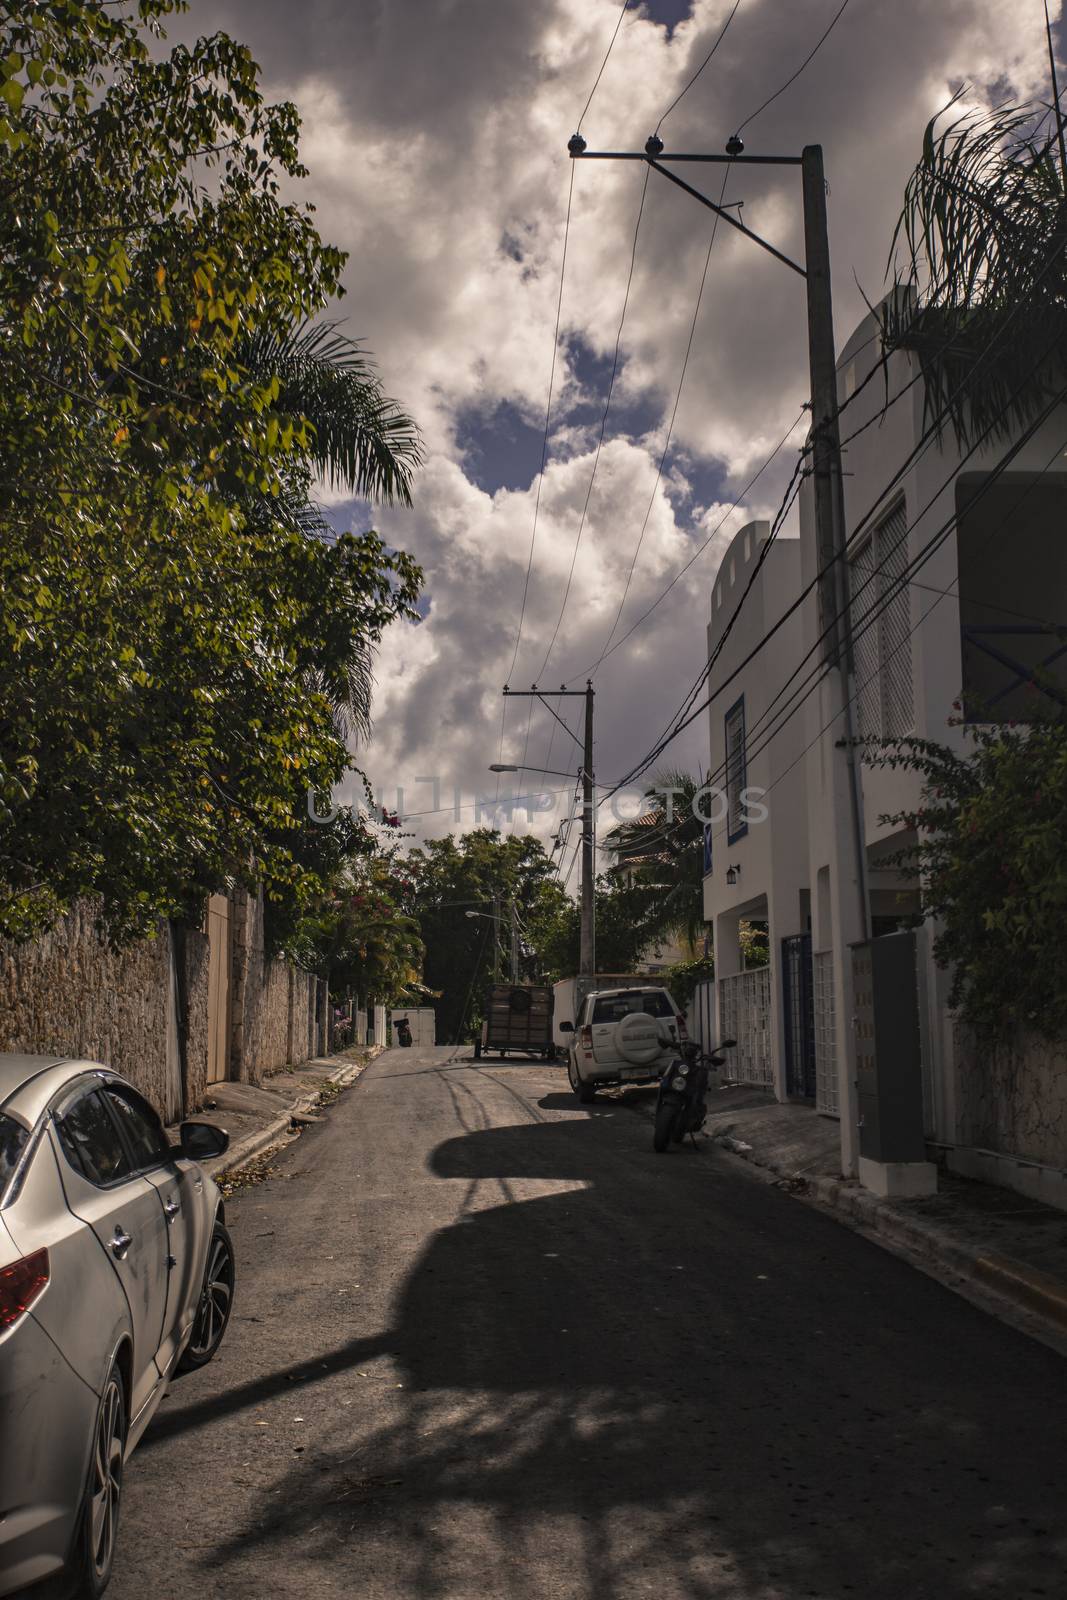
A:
(663, 852)
(982, 297)
(362, 442)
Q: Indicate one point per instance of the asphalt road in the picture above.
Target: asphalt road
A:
(488, 1346)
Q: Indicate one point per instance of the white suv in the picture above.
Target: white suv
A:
(622, 1036)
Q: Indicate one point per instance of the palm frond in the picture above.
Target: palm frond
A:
(362, 440)
(981, 297)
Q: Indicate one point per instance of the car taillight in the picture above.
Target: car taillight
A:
(585, 1035)
(683, 1032)
(20, 1285)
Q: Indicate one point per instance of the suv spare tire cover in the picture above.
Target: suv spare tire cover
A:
(637, 1038)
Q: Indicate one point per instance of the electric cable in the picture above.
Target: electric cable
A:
(603, 64)
(699, 70)
(794, 76)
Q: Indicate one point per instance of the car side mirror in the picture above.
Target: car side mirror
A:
(566, 1027)
(727, 1044)
(202, 1141)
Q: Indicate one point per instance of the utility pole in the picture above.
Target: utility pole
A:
(498, 964)
(514, 943)
(587, 902)
(587, 957)
(849, 907)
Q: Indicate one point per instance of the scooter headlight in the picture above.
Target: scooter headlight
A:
(681, 1069)
(679, 1083)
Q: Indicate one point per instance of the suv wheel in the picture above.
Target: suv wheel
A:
(586, 1092)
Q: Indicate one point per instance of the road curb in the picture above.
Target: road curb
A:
(275, 1131)
(1023, 1285)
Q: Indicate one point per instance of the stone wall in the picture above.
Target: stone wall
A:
(70, 994)
(1013, 1098)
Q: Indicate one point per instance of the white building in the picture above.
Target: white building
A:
(958, 574)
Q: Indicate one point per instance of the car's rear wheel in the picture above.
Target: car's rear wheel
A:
(586, 1092)
(94, 1551)
(216, 1302)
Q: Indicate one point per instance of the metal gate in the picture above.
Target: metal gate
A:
(745, 1015)
(798, 996)
(825, 1053)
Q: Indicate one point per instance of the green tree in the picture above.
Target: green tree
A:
(174, 649)
(478, 870)
(990, 853)
(661, 855)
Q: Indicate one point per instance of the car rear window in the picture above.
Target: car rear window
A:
(613, 1007)
(13, 1140)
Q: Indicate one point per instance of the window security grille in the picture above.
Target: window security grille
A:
(881, 626)
(736, 823)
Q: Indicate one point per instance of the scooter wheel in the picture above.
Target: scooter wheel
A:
(664, 1129)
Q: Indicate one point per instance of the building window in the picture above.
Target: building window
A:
(736, 822)
(1012, 570)
(880, 605)
(707, 849)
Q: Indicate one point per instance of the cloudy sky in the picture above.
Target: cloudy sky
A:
(435, 132)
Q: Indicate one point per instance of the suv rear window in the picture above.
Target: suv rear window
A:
(13, 1141)
(613, 1007)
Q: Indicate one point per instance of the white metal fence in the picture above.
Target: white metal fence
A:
(825, 1054)
(700, 1018)
(745, 1015)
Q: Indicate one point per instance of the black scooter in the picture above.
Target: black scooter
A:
(682, 1102)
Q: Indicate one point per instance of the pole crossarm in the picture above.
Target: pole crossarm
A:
(726, 217)
(656, 163)
(729, 161)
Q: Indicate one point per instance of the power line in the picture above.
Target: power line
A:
(931, 432)
(794, 76)
(699, 70)
(670, 426)
(593, 473)
(871, 619)
(603, 64)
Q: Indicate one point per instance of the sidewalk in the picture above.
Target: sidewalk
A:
(993, 1237)
(258, 1116)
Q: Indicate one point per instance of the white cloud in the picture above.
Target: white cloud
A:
(436, 138)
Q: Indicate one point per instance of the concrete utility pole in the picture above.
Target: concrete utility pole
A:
(514, 942)
(587, 902)
(848, 867)
(587, 951)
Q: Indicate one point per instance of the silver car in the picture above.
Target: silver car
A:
(116, 1271)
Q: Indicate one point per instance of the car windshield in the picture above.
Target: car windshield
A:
(13, 1137)
(613, 1007)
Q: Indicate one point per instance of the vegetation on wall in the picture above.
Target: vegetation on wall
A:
(991, 856)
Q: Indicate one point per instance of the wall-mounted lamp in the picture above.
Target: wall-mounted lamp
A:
(733, 873)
